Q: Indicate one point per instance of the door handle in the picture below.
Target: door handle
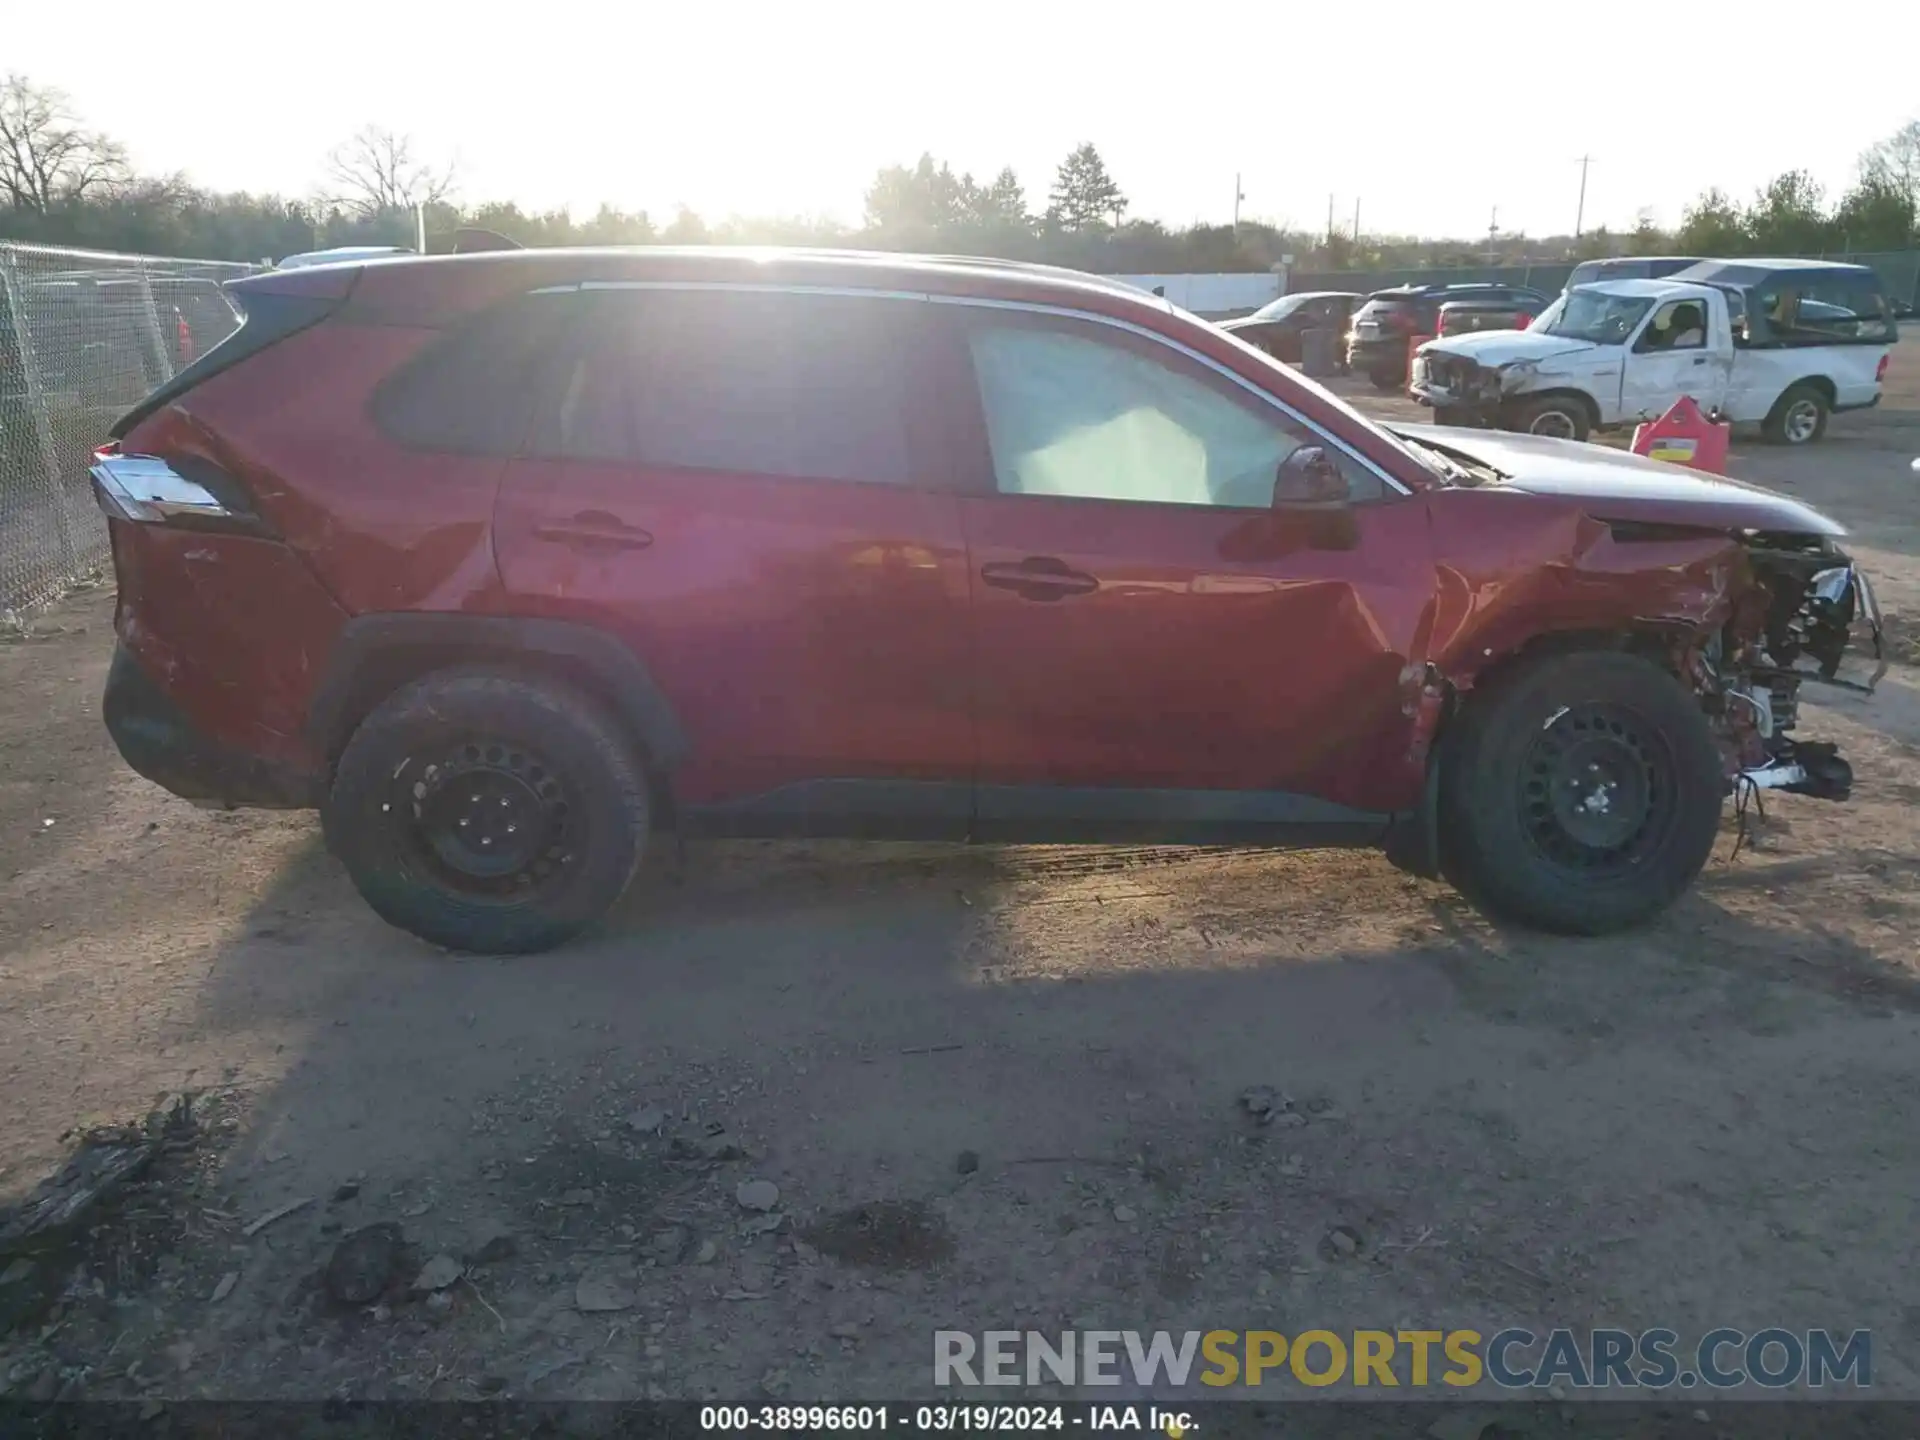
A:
(593, 529)
(1040, 577)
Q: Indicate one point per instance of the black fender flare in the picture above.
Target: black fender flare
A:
(375, 654)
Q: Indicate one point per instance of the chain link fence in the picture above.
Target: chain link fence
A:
(1899, 271)
(83, 337)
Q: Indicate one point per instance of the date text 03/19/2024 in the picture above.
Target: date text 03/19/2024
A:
(941, 1419)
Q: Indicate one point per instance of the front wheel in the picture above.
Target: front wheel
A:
(1555, 417)
(488, 811)
(1799, 417)
(1580, 793)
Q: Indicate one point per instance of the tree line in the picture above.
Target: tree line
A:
(65, 183)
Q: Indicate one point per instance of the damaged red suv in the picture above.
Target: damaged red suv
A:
(509, 562)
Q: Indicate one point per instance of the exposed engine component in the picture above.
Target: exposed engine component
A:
(1800, 621)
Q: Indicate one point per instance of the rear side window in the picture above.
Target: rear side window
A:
(1826, 310)
(805, 386)
(471, 391)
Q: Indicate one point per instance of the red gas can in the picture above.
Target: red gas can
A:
(1683, 436)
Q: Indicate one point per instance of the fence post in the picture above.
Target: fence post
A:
(156, 340)
(16, 296)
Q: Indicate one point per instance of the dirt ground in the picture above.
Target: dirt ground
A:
(994, 1088)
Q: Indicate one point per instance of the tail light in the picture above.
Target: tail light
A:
(1880, 370)
(147, 490)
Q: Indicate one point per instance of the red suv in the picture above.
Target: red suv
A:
(506, 562)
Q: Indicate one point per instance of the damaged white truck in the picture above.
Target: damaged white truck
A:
(1778, 343)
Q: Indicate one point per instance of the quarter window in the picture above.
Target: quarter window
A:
(471, 391)
(1073, 413)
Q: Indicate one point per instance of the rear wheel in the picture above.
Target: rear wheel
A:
(1556, 417)
(487, 811)
(1798, 417)
(1581, 793)
(1386, 379)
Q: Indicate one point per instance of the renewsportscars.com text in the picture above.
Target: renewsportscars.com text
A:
(1512, 1359)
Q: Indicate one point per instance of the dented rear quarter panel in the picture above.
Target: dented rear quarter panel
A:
(391, 528)
(234, 630)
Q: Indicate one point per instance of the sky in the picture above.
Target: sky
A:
(762, 109)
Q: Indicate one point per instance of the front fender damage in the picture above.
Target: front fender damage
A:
(1742, 619)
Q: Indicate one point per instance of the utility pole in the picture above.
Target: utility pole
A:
(1238, 196)
(1580, 214)
(1329, 217)
(1356, 220)
(1493, 233)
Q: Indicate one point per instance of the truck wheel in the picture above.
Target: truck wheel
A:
(1580, 793)
(488, 811)
(1386, 379)
(1557, 417)
(1798, 417)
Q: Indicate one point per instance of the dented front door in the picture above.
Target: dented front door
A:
(1144, 619)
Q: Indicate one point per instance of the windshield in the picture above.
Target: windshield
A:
(1276, 309)
(1320, 392)
(1594, 315)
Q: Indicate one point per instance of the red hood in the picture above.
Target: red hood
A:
(1616, 485)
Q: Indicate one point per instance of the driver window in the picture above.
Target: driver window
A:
(1676, 325)
(1073, 412)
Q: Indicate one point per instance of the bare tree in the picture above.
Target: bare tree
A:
(47, 158)
(1895, 162)
(376, 173)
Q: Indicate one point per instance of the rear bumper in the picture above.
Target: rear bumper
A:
(158, 741)
(1378, 354)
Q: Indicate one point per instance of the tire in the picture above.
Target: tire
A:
(1519, 826)
(1386, 379)
(1798, 417)
(1557, 417)
(445, 748)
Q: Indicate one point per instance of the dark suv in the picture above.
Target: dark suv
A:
(507, 562)
(1382, 327)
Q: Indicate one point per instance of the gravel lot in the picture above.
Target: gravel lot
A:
(1707, 1123)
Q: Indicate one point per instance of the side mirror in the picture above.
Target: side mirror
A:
(1309, 479)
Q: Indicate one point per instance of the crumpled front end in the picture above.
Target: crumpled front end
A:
(1808, 614)
(1447, 381)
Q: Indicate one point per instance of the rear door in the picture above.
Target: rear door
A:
(738, 483)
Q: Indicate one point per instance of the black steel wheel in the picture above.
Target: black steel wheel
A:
(1597, 789)
(1579, 792)
(488, 811)
(488, 819)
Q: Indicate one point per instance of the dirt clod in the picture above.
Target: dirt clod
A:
(438, 1273)
(757, 1194)
(887, 1235)
(364, 1263)
(1343, 1242)
(491, 1244)
(669, 1245)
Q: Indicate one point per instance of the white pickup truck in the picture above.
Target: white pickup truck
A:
(1780, 343)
